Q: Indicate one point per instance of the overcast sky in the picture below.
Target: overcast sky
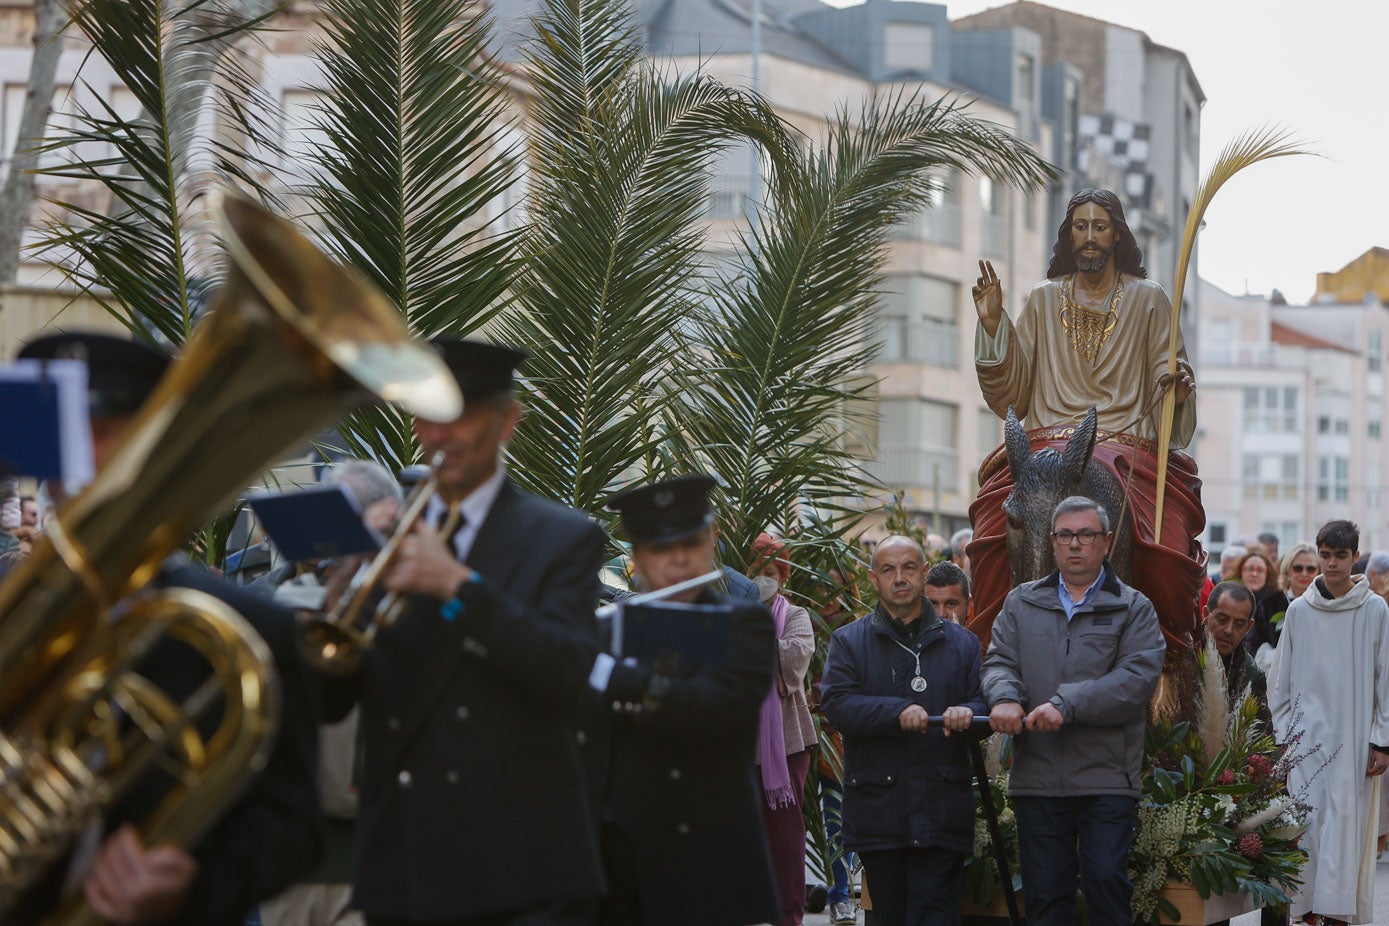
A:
(1320, 69)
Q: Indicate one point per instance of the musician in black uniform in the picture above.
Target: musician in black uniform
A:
(472, 804)
(682, 834)
(272, 833)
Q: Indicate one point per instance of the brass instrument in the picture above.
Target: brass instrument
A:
(336, 642)
(293, 342)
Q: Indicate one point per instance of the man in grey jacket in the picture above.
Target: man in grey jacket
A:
(1074, 659)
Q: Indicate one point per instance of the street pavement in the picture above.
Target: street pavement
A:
(1249, 919)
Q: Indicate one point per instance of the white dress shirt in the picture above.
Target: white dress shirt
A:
(475, 508)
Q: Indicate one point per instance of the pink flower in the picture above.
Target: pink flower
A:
(1259, 767)
(1250, 846)
(1226, 777)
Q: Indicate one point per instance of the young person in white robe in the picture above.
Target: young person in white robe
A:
(1331, 683)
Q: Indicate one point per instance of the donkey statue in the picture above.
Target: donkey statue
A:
(1041, 479)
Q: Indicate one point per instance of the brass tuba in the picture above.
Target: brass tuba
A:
(293, 342)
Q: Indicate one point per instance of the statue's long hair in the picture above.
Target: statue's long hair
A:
(1127, 256)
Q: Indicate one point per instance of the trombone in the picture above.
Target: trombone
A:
(336, 642)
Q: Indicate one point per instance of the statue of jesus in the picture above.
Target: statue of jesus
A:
(1095, 332)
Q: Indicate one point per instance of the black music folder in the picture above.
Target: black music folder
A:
(44, 428)
(318, 522)
(669, 632)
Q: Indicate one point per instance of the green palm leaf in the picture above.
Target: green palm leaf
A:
(416, 151)
(619, 156)
(147, 252)
(787, 343)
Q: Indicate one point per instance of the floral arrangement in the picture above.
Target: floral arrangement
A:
(1222, 821)
(1215, 810)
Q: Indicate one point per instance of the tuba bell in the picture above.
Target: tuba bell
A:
(293, 342)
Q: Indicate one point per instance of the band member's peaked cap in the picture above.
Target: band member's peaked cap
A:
(667, 510)
(121, 373)
(482, 369)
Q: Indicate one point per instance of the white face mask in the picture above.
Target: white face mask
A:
(767, 587)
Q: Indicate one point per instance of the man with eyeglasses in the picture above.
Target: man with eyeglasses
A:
(1075, 658)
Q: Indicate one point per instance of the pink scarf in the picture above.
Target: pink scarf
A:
(771, 738)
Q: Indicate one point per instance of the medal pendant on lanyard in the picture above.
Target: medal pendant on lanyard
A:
(918, 682)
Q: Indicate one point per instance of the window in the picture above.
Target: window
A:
(1271, 476)
(990, 432)
(1342, 426)
(993, 220)
(1027, 77)
(1292, 472)
(1374, 429)
(1323, 423)
(303, 141)
(1333, 479)
(1218, 534)
(917, 443)
(61, 121)
(730, 184)
(917, 315)
(908, 47)
(1270, 408)
(1029, 211)
(1375, 350)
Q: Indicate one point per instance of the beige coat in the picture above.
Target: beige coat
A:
(795, 647)
(1030, 363)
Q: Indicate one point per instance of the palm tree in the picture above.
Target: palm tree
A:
(619, 154)
(144, 253)
(785, 341)
(414, 118)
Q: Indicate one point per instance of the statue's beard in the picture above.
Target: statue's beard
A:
(1091, 263)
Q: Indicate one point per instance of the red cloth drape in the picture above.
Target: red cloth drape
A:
(1170, 573)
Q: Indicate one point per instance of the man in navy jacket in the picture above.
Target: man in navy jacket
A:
(908, 807)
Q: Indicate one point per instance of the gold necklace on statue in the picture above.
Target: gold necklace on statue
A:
(1086, 328)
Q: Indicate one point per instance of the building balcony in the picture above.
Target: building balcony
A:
(938, 224)
(930, 342)
(914, 466)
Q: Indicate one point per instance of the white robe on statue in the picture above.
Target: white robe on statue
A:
(1329, 661)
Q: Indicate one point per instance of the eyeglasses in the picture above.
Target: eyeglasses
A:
(1085, 537)
(1302, 568)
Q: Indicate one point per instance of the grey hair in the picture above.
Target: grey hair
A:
(368, 481)
(960, 538)
(1379, 562)
(1231, 553)
(1081, 503)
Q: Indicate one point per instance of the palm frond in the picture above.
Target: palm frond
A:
(1245, 150)
(785, 349)
(416, 153)
(619, 156)
(148, 252)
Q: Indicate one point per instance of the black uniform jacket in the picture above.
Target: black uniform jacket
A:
(471, 795)
(679, 778)
(271, 834)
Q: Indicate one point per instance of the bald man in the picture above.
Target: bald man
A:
(908, 807)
